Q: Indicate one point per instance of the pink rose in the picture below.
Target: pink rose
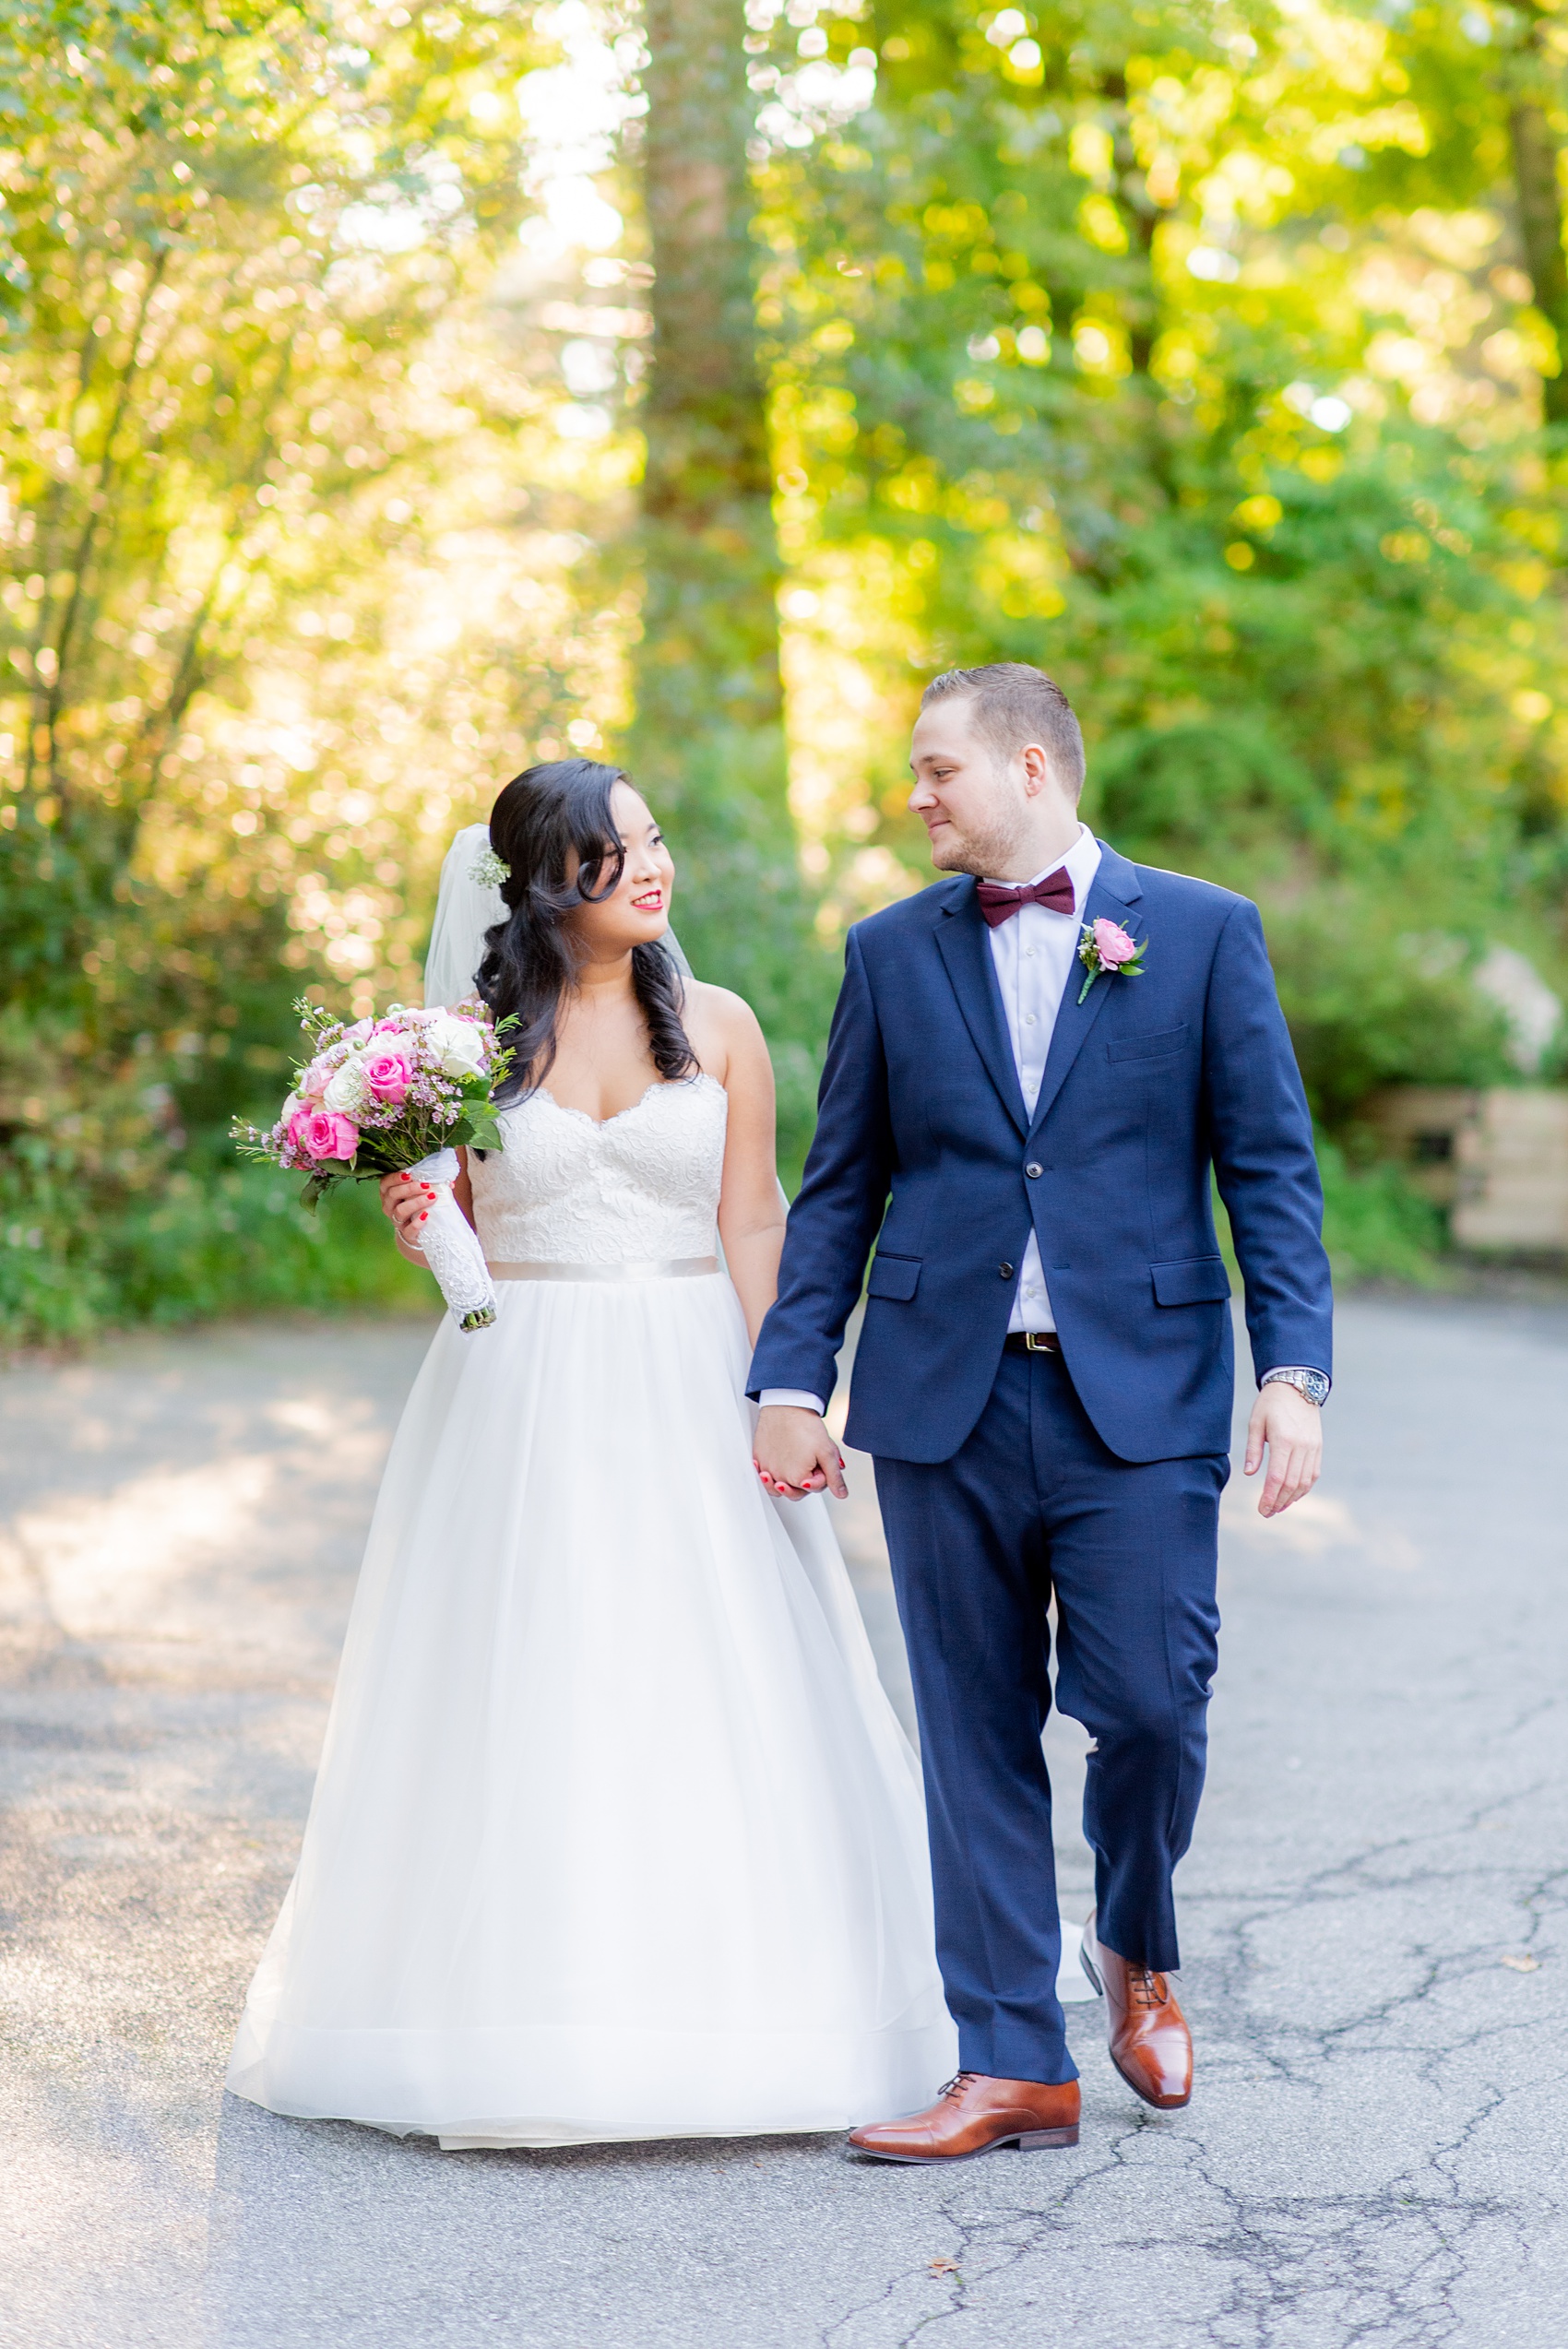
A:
(314, 1080)
(1112, 944)
(323, 1134)
(388, 1074)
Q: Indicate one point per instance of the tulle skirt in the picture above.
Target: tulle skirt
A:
(615, 1833)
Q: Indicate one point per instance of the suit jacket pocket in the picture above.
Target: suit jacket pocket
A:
(894, 1276)
(1146, 1048)
(1194, 1280)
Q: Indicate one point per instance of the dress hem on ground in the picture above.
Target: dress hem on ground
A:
(615, 1833)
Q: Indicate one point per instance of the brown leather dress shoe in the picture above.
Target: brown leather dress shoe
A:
(1150, 2043)
(974, 2115)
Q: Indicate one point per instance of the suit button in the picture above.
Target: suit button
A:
(1034, 1168)
(1006, 1271)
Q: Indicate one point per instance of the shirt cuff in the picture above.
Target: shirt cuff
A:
(792, 1398)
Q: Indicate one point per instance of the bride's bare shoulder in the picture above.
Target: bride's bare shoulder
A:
(719, 1004)
(722, 1025)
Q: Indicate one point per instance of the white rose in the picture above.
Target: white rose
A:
(345, 1088)
(458, 1045)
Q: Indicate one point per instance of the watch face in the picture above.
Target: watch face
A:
(1311, 1384)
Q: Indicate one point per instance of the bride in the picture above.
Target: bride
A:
(615, 1833)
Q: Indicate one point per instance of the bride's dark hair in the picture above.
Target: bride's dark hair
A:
(540, 817)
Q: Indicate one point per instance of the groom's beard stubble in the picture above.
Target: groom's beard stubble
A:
(985, 853)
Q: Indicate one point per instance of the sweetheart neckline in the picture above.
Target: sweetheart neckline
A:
(659, 1085)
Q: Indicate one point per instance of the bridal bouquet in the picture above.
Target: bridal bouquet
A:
(384, 1095)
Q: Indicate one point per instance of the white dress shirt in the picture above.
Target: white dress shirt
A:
(1034, 952)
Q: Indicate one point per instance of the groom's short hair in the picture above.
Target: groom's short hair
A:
(1016, 705)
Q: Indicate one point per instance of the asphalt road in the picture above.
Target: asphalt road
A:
(1373, 1923)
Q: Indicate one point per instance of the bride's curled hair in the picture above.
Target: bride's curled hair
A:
(541, 819)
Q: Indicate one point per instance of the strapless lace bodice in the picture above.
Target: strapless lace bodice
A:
(566, 1190)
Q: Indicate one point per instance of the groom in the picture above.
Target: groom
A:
(1033, 1067)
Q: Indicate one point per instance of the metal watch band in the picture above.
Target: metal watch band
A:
(1311, 1384)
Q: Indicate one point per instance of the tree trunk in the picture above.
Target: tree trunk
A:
(708, 662)
(1540, 212)
(706, 744)
(1141, 216)
(1541, 230)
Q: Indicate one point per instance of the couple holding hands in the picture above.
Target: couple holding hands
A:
(616, 1835)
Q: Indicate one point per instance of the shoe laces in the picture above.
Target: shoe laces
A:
(1145, 1988)
(956, 2085)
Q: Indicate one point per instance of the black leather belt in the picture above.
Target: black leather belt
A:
(1032, 1342)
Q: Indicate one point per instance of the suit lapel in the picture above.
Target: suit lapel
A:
(961, 941)
(1115, 889)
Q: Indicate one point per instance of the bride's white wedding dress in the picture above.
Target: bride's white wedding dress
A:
(615, 1833)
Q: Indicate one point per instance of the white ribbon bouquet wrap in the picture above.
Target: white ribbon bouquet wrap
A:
(398, 1093)
(450, 1246)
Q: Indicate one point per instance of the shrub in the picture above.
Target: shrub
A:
(1376, 1225)
(211, 1240)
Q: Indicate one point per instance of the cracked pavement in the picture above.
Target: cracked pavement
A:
(1373, 1919)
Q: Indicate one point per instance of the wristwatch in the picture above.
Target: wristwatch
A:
(1311, 1384)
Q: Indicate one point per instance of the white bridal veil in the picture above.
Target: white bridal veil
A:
(465, 908)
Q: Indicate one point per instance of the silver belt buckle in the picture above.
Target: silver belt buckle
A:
(1037, 1341)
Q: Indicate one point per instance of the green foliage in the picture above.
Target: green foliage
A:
(240, 1240)
(1372, 1002)
(1176, 350)
(211, 315)
(1207, 355)
(743, 915)
(1375, 1226)
(243, 402)
(210, 1241)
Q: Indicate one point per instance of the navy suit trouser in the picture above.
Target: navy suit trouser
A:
(1034, 1505)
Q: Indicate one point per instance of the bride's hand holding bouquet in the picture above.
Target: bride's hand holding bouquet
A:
(394, 1096)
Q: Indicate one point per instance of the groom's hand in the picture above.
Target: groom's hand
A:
(795, 1454)
(1292, 1429)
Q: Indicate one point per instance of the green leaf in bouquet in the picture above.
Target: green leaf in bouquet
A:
(484, 1133)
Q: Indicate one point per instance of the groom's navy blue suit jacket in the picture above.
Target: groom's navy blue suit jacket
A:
(923, 1145)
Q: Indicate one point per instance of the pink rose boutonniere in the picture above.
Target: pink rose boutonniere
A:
(1105, 947)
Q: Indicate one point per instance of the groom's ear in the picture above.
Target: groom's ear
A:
(1037, 769)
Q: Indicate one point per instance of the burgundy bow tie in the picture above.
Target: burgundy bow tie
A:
(998, 902)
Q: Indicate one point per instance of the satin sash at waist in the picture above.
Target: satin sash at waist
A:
(669, 1268)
